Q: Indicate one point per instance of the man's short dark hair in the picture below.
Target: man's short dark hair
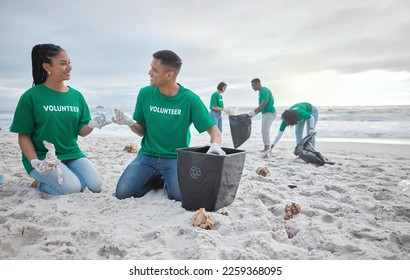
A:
(169, 58)
(256, 80)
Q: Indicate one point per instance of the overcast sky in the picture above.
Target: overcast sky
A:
(344, 52)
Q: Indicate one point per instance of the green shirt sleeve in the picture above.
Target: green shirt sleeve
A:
(282, 127)
(201, 118)
(23, 120)
(85, 116)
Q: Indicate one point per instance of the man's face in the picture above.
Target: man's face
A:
(159, 74)
(255, 86)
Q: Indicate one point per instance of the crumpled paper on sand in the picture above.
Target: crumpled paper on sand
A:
(202, 219)
(132, 148)
(291, 210)
(263, 171)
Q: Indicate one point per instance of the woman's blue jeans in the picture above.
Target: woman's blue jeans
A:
(217, 116)
(141, 174)
(77, 174)
(299, 127)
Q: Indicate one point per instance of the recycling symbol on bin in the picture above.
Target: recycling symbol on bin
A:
(195, 172)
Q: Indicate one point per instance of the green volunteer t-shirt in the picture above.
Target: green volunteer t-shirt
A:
(53, 116)
(266, 94)
(168, 119)
(304, 111)
(216, 100)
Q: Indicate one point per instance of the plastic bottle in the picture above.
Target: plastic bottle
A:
(102, 119)
(108, 116)
(403, 185)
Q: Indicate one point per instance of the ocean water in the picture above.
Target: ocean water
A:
(373, 124)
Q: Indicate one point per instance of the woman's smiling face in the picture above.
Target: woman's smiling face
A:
(60, 67)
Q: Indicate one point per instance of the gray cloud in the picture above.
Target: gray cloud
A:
(111, 42)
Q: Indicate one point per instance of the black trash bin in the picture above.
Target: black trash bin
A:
(208, 181)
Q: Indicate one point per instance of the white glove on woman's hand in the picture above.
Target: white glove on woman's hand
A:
(252, 114)
(216, 149)
(40, 166)
(122, 119)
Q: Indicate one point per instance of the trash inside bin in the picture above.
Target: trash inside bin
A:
(208, 181)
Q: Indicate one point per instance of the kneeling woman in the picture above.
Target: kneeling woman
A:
(53, 112)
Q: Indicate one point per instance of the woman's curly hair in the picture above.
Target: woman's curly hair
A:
(290, 117)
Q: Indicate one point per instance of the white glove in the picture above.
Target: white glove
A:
(40, 166)
(251, 114)
(121, 118)
(311, 130)
(216, 149)
(99, 121)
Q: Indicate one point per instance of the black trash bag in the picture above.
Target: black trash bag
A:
(307, 153)
(241, 126)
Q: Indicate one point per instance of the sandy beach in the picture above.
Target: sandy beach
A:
(350, 210)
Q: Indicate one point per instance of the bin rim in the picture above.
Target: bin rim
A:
(207, 146)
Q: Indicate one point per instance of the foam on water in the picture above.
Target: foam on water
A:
(376, 124)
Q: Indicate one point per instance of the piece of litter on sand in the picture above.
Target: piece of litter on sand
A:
(202, 219)
(51, 162)
(132, 148)
(291, 210)
(263, 171)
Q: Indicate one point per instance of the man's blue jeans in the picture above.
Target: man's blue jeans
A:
(143, 171)
(77, 174)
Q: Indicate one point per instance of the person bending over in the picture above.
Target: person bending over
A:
(299, 115)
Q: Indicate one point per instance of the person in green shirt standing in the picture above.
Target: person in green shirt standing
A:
(163, 114)
(267, 108)
(217, 104)
(53, 112)
(299, 115)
